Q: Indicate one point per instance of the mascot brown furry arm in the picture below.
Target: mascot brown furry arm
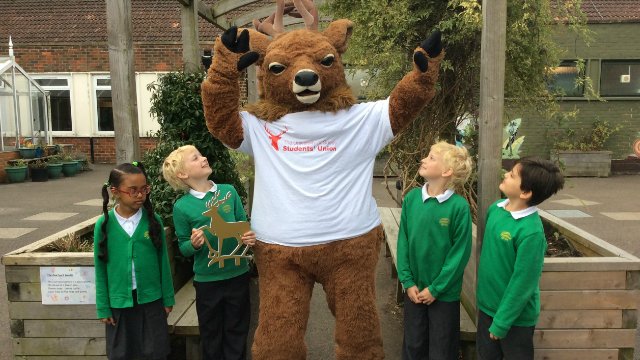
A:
(314, 149)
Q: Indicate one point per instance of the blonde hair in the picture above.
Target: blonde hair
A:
(173, 165)
(458, 160)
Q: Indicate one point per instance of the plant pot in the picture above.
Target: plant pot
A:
(16, 174)
(39, 174)
(70, 168)
(54, 170)
(583, 163)
(27, 153)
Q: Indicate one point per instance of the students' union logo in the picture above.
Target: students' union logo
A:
(444, 221)
(505, 235)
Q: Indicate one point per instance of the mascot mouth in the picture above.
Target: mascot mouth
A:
(307, 94)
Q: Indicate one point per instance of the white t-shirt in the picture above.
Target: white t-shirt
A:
(314, 173)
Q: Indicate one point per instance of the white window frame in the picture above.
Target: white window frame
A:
(68, 87)
(94, 89)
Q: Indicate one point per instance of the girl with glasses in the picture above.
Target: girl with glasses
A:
(134, 288)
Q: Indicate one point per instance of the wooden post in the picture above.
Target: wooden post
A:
(190, 46)
(494, 20)
(123, 86)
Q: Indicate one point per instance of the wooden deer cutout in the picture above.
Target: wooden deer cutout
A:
(223, 230)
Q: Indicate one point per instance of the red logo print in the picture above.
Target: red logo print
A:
(275, 137)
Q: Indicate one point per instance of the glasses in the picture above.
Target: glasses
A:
(133, 192)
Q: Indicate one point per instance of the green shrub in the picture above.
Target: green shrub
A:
(177, 105)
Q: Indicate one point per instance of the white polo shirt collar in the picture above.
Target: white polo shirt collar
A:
(520, 213)
(441, 198)
(201, 195)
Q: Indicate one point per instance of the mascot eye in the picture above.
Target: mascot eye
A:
(328, 60)
(276, 68)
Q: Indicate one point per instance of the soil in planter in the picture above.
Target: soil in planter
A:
(557, 244)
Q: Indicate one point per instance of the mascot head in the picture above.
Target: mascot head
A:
(301, 70)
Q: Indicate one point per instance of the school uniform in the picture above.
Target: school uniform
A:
(508, 294)
(222, 293)
(434, 246)
(133, 286)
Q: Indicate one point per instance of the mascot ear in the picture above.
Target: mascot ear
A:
(338, 33)
(258, 42)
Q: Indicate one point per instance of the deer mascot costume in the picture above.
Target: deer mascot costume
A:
(314, 149)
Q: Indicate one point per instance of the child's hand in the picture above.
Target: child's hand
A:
(425, 297)
(197, 238)
(249, 238)
(412, 292)
(493, 337)
(167, 309)
(109, 321)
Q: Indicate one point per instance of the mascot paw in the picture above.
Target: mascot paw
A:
(433, 47)
(239, 45)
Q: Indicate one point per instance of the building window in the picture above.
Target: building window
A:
(567, 79)
(620, 78)
(60, 99)
(104, 108)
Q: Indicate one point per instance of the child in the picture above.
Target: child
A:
(434, 245)
(222, 293)
(511, 261)
(134, 289)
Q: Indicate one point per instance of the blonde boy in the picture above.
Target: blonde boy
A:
(222, 293)
(434, 244)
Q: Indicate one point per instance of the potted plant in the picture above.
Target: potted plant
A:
(16, 171)
(582, 153)
(81, 159)
(54, 167)
(38, 170)
(69, 165)
(26, 148)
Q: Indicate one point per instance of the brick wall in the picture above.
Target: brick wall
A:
(39, 58)
(103, 147)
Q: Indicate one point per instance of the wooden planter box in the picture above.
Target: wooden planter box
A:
(583, 163)
(52, 331)
(588, 304)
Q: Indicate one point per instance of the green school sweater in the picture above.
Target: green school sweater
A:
(510, 267)
(187, 215)
(113, 278)
(434, 244)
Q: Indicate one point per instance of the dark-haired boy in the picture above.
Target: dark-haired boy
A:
(508, 294)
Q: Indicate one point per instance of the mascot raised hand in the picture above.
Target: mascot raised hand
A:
(314, 148)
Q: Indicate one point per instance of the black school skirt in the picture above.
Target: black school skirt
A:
(140, 332)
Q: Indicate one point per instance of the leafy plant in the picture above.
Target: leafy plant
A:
(38, 164)
(177, 105)
(17, 163)
(54, 159)
(590, 139)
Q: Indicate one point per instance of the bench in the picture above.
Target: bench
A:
(183, 320)
(390, 218)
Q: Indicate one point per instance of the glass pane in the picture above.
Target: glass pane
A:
(52, 82)
(61, 111)
(563, 80)
(620, 78)
(103, 82)
(37, 111)
(105, 110)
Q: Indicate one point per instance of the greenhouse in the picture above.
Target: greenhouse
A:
(24, 108)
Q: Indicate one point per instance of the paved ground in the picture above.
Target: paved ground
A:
(606, 207)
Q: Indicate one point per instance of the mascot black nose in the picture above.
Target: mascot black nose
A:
(306, 78)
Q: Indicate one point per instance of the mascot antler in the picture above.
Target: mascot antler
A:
(274, 24)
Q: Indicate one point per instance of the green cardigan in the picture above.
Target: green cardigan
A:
(113, 278)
